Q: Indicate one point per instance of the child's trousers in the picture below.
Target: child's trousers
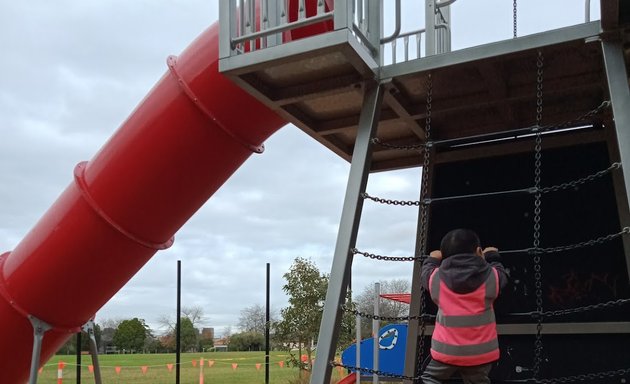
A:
(436, 372)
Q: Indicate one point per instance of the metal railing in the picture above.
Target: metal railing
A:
(249, 25)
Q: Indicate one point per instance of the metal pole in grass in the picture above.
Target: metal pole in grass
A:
(267, 320)
(79, 357)
(178, 322)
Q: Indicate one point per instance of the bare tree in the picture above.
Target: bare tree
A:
(387, 308)
(194, 314)
(110, 323)
(253, 319)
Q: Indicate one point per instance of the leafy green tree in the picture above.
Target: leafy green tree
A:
(299, 327)
(131, 334)
(189, 335)
(206, 344)
(247, 341)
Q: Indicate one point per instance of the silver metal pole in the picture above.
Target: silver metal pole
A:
(348, 229)
(429, 42)
(358, 343)
(39, 328)
(620, 100)
(587, 11)
(376, 325)
(89, 329)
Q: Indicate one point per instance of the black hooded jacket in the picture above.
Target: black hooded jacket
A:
(465, 272)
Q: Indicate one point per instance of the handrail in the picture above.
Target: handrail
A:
(396, 32)
(281, 28)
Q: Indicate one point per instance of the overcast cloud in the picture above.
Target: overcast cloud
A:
(73, 71)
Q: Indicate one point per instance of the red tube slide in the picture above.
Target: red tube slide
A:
(183, 141)
(177, 148)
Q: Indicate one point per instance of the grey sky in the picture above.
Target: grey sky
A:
(74, 70)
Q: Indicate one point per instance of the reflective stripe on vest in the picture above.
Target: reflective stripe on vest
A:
(465, 328)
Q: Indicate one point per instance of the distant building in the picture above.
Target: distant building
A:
(221, 344)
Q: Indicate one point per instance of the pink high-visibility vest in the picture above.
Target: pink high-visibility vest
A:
(465, 327)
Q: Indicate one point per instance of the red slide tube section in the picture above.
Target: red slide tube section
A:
(184, 140)
(178, 147)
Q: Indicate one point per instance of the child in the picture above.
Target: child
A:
(463, 281)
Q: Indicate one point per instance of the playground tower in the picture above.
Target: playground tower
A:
(526, 140)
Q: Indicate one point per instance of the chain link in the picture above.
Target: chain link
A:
(369, 316)
(374, 372)
(572, 311)
(538, 344)
(390, 201)
(387, 258)
(582, 181)
(515, 18)
(586, 377)
(543, 190)
(539, 251)
(424, 219)
(597, 241)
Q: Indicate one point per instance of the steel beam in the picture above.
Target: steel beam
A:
(346, 239)
(617, 76)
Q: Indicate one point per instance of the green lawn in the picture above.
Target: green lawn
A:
(227, 368)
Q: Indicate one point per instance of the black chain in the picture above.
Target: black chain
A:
(410, 147)
(514, 18)
(539, 251)
(597, 241)
(374, 371)
(421, 316)
(538, 128)
(584, 180)
(538, 344)
(390, 201)
(543, 190)
(424, 218)
(586, 377)
(387, 258)
(572, 311)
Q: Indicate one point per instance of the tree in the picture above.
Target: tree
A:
(387, 308)
(253, 319)
(299, 327)
(194, 314)
(189, 335)
(131, 335)
(247, 341)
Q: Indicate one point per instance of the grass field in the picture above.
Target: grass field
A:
(226, 368)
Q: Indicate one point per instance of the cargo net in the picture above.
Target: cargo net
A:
(539, 315)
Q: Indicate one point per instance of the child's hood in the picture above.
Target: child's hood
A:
(464, 273)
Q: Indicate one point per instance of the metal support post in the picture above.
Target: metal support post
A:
(429, 16)
(620, 100)
(227, 27)
(88, 328)
(346, 239)
(39, 328)
(358, 344)
(376, 326)
(344, 17)
(375, 11)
